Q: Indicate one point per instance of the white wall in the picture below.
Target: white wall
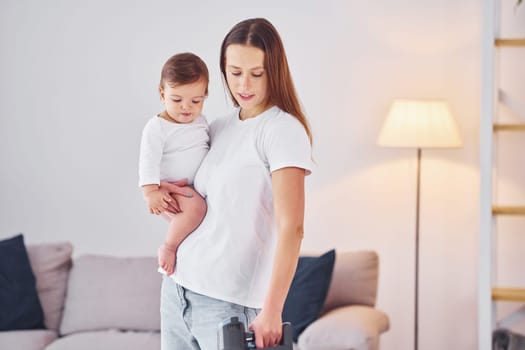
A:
(79, 79)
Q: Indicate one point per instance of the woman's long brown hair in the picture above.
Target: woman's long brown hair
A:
(260, 33)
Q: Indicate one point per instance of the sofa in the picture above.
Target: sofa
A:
(109, 303)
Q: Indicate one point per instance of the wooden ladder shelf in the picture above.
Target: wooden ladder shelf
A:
(509, 127)
(508, 210)
(508, 294)
(510, 42)
(489, 292)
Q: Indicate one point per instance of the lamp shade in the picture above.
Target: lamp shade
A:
(419, 124)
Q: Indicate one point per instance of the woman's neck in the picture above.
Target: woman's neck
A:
(253, 112)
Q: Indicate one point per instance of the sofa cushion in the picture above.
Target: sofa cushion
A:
(354, 280)
(308, 291)
(21, 308)
(350, 327)
(106, 292)
(51, 263)
(108, 340)
(34, 339)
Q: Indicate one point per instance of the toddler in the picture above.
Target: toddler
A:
(173, 144)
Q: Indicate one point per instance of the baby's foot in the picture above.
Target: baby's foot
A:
(167, 258)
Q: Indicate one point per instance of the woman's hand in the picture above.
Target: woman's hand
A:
(171, 188)
(156, 201)
(268, 327)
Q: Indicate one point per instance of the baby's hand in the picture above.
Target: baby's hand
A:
(157, 201)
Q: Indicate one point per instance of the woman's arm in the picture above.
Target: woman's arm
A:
(288, 197)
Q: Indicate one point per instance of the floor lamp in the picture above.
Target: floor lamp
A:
(419, 124)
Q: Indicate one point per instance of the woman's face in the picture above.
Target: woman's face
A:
(247, 79)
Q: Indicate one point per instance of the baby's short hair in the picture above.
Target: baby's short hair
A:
(184, 68)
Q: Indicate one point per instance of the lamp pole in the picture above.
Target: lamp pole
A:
(416, 278)
(419, 124)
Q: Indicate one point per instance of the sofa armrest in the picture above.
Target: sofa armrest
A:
(350, 327)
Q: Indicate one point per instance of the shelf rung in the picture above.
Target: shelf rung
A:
(508, 294)
(509, 127)
(508, 210)
(510, 42)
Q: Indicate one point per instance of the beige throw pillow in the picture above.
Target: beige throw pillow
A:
(50, 263)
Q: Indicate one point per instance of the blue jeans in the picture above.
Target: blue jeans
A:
(190, 321)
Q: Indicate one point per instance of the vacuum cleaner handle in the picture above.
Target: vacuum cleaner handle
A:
(232, 336)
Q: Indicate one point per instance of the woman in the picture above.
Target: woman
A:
(241, 260)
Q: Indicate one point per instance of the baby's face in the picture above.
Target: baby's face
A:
(183, 102)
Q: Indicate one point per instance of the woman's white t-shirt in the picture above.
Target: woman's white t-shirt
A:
(230, 255)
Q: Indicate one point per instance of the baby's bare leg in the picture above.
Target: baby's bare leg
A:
(180, 226)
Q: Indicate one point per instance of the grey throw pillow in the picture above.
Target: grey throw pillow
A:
(106, 292)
